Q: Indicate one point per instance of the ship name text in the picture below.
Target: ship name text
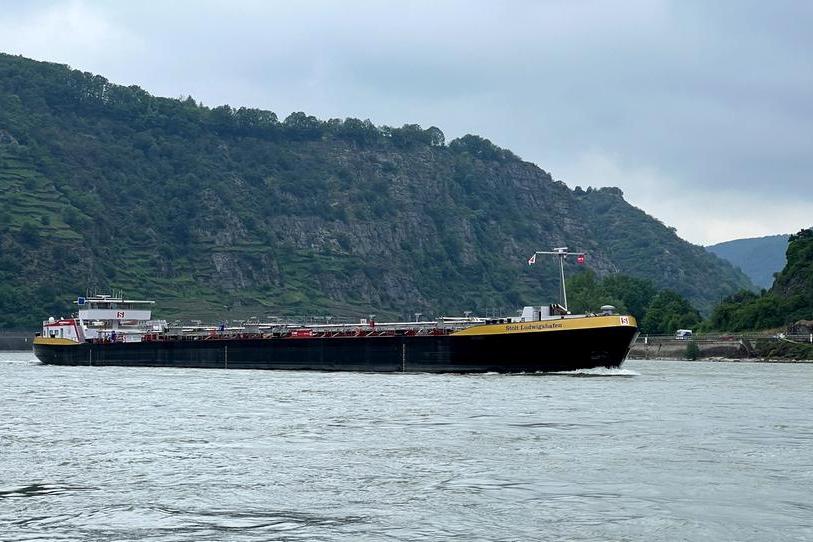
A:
(532, 327)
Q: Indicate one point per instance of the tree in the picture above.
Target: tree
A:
(301, 126)
(222, 117)
(587, 293)
(409, 135)
(637, 294)
(480, 147)
(29, 235)
(257, 122)
(436, 137)
(692, 350)
(362, 132)
(669, 312)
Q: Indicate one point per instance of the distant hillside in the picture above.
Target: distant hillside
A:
(228, 212)
(790, 298)
(758, 257)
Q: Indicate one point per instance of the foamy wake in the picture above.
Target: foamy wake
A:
(600, 371)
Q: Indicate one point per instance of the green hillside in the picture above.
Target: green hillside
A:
(759, 258)
(790, 298)
(228, 212)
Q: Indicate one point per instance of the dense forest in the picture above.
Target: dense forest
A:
(789, 299)
(223, 212)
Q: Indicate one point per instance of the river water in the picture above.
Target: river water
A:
(653, 451)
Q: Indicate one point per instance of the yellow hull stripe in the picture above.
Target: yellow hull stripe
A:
(52, 341)
(587, 322)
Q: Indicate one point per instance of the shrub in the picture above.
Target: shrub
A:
(692, 351)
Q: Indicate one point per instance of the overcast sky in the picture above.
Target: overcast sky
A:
(702, 112)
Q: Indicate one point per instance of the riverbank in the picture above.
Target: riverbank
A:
(734, 360)
(728, 348)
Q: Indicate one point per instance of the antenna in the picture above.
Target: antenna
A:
(561, 253)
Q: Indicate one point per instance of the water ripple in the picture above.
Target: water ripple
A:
(38, 490)
(653, 451)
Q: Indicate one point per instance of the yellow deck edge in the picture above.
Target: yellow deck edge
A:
(54, 341)
(587, 322)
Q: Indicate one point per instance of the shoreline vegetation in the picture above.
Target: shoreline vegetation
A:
(774, 324)
(768, 349)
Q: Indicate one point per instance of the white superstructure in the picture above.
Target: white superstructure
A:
(105, 307)
(106, 318)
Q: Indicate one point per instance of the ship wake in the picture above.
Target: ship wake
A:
(599, 372)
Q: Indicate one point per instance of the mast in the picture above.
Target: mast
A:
(561, 253)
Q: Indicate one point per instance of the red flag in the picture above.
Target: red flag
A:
(580, 259)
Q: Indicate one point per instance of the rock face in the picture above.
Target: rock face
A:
(225, 213)
(796, 278)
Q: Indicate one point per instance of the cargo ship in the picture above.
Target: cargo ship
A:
(111, 330)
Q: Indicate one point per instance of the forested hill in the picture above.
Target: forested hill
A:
(226, 212)
(790, 298)
(759, 258)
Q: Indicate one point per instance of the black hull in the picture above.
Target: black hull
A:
(505, 353)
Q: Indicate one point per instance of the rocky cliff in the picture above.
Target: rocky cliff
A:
(224, 212)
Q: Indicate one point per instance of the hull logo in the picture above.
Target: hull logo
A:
(625, 321)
